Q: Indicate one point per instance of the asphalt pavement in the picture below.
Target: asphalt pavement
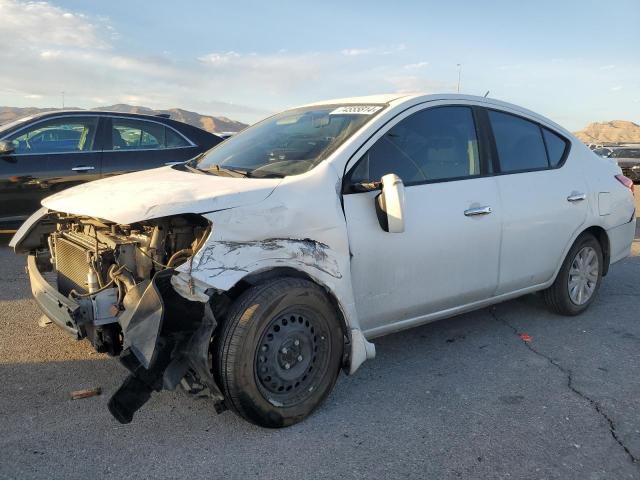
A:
(466, 397)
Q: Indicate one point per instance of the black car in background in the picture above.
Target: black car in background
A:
(628, 159)
(44, 154)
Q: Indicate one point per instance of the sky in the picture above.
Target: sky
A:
(575, 62)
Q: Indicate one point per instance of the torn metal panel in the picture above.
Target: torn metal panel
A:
(165, 337)
(142, 321)
(217, 258)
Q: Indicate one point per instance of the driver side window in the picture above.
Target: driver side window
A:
(438, 143)
(58, 135)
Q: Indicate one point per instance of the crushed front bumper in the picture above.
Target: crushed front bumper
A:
(59, 309)
(165, 338)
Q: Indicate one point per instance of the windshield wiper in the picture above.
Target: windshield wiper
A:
(230, 172)
(263, 174)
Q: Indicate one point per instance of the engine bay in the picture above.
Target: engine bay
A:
(98, 264)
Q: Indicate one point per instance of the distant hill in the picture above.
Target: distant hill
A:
(206, 122)
(615, 131)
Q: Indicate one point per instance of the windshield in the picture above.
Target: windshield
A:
(626, 153)
(289, 143)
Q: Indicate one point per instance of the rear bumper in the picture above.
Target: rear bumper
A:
(620, 240)
(60, 309)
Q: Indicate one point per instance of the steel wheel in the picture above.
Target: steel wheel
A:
(292, 355)
(279, 352)
(583, 275)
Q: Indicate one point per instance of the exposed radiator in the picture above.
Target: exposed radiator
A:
(72, 266)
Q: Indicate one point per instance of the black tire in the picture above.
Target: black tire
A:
(557, 295)
(261, 383)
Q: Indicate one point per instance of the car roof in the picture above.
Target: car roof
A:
(111, 113)
(399, 99)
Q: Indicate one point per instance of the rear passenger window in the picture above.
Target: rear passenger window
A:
(519, 143)
(131, 134)
(434, 144)
(556, 146)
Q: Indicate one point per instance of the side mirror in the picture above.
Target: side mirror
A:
(390, 204)
(6, 147)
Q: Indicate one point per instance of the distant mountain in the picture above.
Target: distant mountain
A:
(9, 114)
(206, 122)
(615, 131)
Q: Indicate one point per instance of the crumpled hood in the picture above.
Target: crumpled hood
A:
(158, 193)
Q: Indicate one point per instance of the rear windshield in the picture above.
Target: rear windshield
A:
(288, 143)
(626, 153)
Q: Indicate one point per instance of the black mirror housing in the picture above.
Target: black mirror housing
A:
(6, 147)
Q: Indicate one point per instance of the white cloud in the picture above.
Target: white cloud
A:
(616, 88)
(415, 66)
(50, 50)
(40, 23)
(219, 58)
(356, 52)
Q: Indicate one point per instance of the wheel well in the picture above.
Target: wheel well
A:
(224, 300)
(603, 239)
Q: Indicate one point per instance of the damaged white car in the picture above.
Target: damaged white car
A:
(262, 268)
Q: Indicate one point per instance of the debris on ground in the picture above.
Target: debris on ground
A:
(86, 393)
(525, 337)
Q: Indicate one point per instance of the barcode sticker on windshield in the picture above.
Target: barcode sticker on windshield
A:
(356, 110)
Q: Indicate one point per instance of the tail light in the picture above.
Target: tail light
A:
(627, 182)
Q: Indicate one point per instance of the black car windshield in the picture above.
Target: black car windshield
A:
(289, 143)
(626, 153)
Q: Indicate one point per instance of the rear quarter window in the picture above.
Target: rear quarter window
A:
(556, 147)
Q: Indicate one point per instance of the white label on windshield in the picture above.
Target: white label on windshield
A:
(356, 110)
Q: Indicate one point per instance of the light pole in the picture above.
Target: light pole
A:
(62, 100)
(459, 65)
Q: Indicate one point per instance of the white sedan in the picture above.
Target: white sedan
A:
(260, 269)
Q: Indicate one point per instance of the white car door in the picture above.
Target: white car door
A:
(448, 255)
(544, 201)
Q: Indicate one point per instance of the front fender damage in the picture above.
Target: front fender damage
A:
(222, 264)
(166, 338)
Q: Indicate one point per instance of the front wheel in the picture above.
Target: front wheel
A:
(579, 278)
(279, 352)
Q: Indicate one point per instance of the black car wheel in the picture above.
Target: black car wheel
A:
(579, 278)
(279, 352)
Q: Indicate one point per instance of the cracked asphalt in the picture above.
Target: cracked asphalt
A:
(466, 397)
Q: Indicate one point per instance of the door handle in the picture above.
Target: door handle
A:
(83, 168)
(576, 197)
(472, 212)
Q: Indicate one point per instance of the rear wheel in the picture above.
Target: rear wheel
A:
(578, 279)
(279, 352)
